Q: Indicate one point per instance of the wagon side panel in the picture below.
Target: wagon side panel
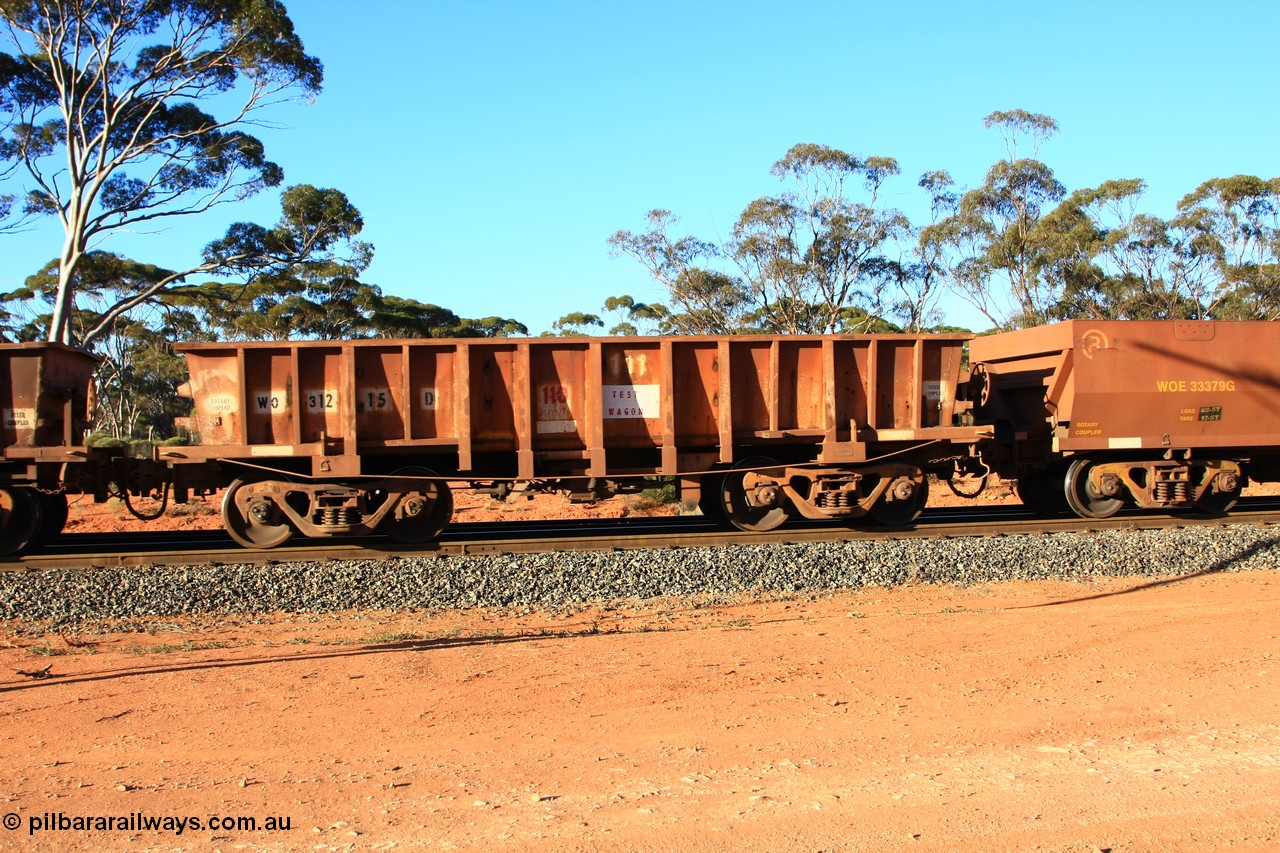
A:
(1176, 384)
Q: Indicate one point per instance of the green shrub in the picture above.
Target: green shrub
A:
(664, 491)
(101, 439)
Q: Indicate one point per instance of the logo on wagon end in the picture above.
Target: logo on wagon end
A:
(1092, 341)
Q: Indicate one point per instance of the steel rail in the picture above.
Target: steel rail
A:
(213, 547)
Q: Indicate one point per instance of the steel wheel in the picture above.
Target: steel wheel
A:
(1041, 491)
(1218, 501)
(253, 519)
(709, 502)
(1082, 497)
(53, 511)
(20, 519)
(423, 513)
(738, 508)
(903, 510)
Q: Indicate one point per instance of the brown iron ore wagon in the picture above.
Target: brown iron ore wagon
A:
(45, 411)
(1161, 414)
(332, 438)
(329, 438)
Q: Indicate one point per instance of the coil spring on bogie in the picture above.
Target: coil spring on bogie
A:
(835, 499)
(339, 516)
(1171, 491)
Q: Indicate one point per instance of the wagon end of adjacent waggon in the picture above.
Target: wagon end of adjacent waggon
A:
(1157, 414)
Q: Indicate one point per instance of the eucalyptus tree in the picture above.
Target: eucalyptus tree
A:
(489, 327)
(401, 317)
(9, 72)
(1235, 223)
(1219, 257)
(919, 273)
(996, 259)
(312, 245)
(576, 323)
(635, 318)
(817, 248)
(800, 259)
(104, 114)
(625, 318)
(704, 300)
(137, 381)
(104, 278)
(1115, 262)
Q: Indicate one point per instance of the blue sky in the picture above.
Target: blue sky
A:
(494, 146)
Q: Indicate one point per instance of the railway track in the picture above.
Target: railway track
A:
(174, 548)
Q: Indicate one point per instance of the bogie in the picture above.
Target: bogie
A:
(422, 510)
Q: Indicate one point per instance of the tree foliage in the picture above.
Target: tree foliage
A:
(705, 300)
(626, 318)
(827, 255)
(990, 249)
(824, 255)
(104, 114)
(311, 252)
(1235, 223)
(816, 249)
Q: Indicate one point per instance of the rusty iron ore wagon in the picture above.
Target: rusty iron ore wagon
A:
(327, 438)
(338, 438)
(1161, 414)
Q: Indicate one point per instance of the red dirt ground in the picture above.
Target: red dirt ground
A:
(1122, 715)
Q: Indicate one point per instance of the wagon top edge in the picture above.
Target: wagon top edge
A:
(36, 346)
(550, 341)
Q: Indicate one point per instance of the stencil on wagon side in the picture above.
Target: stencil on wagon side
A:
(265, 403)
(221, 403)
(20, 418)
(374, 399)
(632, 401)
(554, 413)
(321, 400)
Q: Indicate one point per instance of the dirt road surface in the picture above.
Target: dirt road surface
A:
(1127, 715)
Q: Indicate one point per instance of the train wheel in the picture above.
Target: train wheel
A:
(1220, 500)
(709, 502)
(1083, 499)
(252, 519)
(424, 513)
(20, 520)
(53, 511)
(760, 517)
(905, 508)
(1041, 491)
